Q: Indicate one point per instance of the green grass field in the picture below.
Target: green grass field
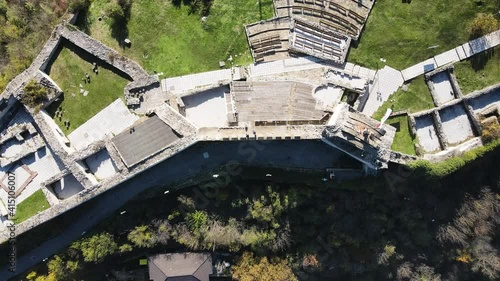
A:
(168, 39)
(31, 206)
(67, 71)
(402, 33)
(403, 142)
(471, 78)
(417, 98)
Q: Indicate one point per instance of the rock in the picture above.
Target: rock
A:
(222, 64)
(85, 93)
(404, 88)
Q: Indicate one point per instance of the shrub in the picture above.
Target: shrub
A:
(491, 132)
(97, 247)
(141, 236)
(482, 24)
(34, 94)
(448, 166)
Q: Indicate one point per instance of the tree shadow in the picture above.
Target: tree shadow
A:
(119, 25)
(201, 6)
(83, 22)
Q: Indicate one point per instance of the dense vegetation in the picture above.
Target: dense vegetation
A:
(24, 28)
(34, 94)
(395, 228)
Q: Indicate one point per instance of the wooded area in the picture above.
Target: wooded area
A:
(24, 27)
(418, 228)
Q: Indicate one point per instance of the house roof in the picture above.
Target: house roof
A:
(180, 267)
(144, 140)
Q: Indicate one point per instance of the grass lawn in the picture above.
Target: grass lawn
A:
(403, 142)
(168, 39)
(472, 78)
(417, 98)
(67, 71)
(31, 206)
(402, 33)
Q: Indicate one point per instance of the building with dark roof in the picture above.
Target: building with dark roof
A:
(144, 140)
(180, 267)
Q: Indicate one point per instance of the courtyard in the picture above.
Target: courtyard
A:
(82, 100)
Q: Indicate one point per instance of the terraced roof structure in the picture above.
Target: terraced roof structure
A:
(144, 140)
(273, 102)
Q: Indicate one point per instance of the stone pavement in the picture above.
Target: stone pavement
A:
(113, 119)
(387, 82)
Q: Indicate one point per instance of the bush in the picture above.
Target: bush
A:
(34, 94)
(491, 132)
(3, 8)
(141, 236)
(482, 24)
(97, 247)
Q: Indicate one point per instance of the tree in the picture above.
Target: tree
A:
(486, 258)
(249, 268)
(114, 11)
(142, 236)
(97, 247)
(482, 24)
(162, 232)
(267, 208)
(220, 234)
(57, 270)
(78, 5)
(34, 94)
(197, 220)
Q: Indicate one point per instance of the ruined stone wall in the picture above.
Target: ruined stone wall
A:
(443, 141)
(91, 192)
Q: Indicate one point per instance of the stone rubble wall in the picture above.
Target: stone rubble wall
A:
(474, 119)
(115, 156)
(443, 141)
(95, 190)
(175, 120)
(104, 53)
(454, 83)
(432, 90)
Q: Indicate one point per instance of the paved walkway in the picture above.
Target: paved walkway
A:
(113, 119)
(387, 82)
(454, 55)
